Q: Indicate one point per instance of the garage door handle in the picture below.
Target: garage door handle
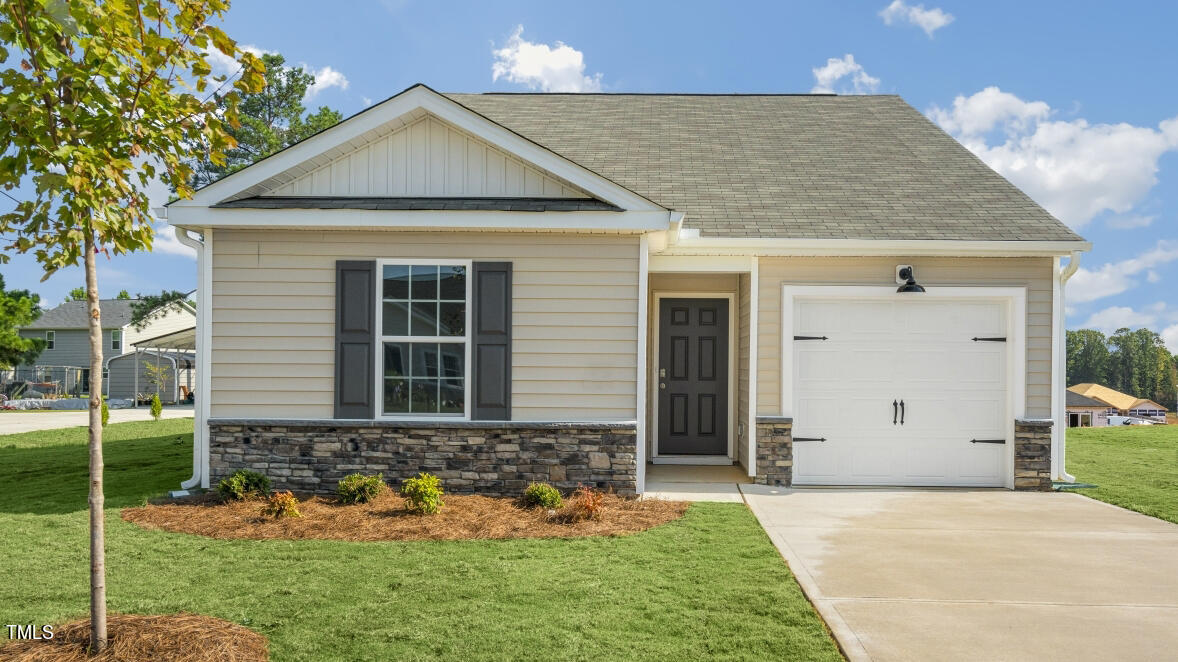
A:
(895, 411)
(987, 441)
(901, 412)
(809, 439)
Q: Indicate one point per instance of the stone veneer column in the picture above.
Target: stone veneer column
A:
(775, 456)
(1032, 454)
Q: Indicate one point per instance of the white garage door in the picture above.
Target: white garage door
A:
(900, 391)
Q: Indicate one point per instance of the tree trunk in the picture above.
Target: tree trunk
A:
(97, 523)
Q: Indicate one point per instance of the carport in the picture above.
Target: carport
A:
(177, 347)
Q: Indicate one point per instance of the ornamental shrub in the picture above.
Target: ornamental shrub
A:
(105, 412)
(282, 504)
(542, 495)
(243, 484)
(585, 504)
(358, 488)
(423, 494)
(157, 407)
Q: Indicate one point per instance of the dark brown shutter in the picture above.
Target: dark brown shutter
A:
(355, 339)
(491, 334)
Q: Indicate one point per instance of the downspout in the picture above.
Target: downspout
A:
(199, 427)
(1060, 395)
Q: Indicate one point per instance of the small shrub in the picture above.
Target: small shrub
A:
(157, 407)
(358, 488)
(585, 504)
(243, 484)
(282, 504)
(423, 494)
(543, 495)
(105, 412)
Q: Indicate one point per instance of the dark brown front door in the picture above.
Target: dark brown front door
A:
(693, 377)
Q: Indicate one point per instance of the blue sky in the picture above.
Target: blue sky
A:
(1073, 101)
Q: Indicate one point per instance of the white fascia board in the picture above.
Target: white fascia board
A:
(701, 263)
(412, 99)
(419, 219)
(867, 247)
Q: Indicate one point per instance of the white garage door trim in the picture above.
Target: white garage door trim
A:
(1015, 299)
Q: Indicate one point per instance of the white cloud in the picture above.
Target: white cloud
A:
(166, 242)
(543, 67)
(223, 65)
(929, 20)
(1116, 277)
(1170, 337)
(1153, 276)
(325, 78)
(1116, 317)
(367, 101)
(1076, 170)
(1131, 221)
(837, 69)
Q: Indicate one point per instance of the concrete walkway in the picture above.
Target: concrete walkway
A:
(971, 575)
(680, 482)
(12, 422)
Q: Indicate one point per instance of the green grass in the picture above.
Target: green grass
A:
(1135, 466)
(708, 585)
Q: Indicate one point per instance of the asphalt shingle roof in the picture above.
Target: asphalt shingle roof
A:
(804, 166)
(72, 315)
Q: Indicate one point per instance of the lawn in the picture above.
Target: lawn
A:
(1135, 466)
(710, 584)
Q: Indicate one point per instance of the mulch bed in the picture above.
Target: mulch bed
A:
(179, 637)
(464, 517)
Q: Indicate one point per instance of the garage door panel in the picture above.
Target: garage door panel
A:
(920, 351)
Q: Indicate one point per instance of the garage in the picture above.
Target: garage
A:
(901, 389)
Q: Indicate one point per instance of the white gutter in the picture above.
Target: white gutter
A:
(689, 242)
(1059, 369)
(200, 455)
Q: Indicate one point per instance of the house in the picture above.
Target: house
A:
(499, 288)
(1121, 404)
(63, 368)
(1086, 412)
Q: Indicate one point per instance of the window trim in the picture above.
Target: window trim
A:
(50, 339)
(380, 339)
(113, 333)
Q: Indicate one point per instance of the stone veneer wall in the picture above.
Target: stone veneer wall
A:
(775, 457)
(493, 458)
(1032, 454)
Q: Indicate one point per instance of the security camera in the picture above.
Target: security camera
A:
(903, 273)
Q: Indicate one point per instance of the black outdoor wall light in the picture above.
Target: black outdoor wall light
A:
(910, 286)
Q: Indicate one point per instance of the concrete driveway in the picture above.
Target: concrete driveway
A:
(12, 422)
(969, 575)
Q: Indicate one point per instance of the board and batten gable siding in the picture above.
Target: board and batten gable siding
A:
(1035, 274)
(574, 313)
(71, 347)
(428, 157)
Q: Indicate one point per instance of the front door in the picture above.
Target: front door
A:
(693, 377)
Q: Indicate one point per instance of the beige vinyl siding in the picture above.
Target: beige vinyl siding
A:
(428, 157)
(691, 283)
(1035, 274)
(574, 309)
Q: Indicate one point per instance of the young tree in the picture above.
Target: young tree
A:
(271, 118)
(18, 308)
(76, 294)
(123, 295)
(103, 97)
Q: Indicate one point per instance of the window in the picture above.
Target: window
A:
(422, 321)
(50, 338)
(116, 340)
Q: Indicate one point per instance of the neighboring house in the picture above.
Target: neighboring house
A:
(501, 288)
(1121, 404)
(1085, 412)
(65, 361)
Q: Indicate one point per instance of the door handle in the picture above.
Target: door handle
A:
(901, 412)
(894, 410)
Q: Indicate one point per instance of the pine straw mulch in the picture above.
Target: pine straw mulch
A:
(182, 637)
(464, 517)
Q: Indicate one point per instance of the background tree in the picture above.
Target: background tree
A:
(271, 119)
(76, 294)
(1087, 357)
(123, 295)
(148, 307)
(18, 308)
(103, 97)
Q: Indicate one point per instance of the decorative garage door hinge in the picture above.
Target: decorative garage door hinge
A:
(987, 441)
(809, 438)
(811, 338)
(1002, 339)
